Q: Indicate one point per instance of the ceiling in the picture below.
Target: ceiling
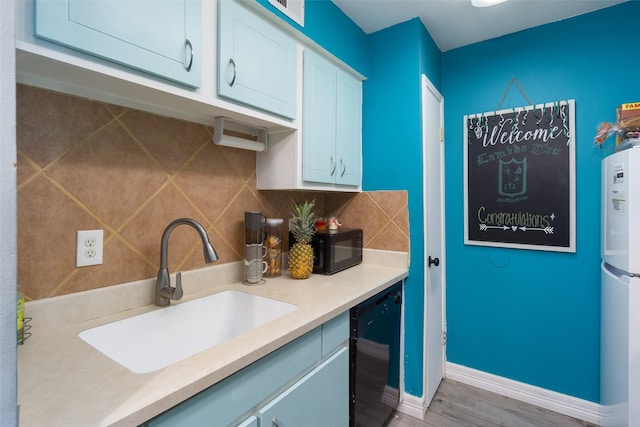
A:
(456, 23)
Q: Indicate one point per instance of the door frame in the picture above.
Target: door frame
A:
(8, 219)
(428, 89)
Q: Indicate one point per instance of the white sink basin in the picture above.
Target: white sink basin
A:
(154, 340)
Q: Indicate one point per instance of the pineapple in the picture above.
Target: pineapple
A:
(302, 225)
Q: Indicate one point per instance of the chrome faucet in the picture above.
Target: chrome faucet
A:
(164, 291)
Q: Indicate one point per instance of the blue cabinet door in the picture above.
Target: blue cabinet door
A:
(332, 124)
(319, 162)
(335, 332)
(256, 61)
(160, 37)
(321, 392)
(227, 400)
(250, 422)
(319, 399)
(349, 130)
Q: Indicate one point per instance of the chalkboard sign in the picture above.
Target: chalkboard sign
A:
(520, 177)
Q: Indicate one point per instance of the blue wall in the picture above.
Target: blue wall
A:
(536, 319)
(392, 61)
(392, 153)
(327, 25)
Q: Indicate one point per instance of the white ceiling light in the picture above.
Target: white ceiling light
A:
(485, 3)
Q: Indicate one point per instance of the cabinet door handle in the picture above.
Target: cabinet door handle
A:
(333, 167)
(344, 168)
(190, 46)
(233, 80)
(275, 422)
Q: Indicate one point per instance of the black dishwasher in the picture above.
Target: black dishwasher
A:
(374, 372)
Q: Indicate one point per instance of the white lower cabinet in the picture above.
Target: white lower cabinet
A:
(320, 399)
(309, 377)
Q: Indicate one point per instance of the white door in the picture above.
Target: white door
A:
(432, 141)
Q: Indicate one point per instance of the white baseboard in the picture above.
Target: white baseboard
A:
(551, 400)
(412, 406)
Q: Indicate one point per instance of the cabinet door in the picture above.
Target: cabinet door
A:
(335, 332)
(256, 61)
(319, 162)
(320, 399)
(349, 130)
(162, 38)
(225, 401)
(250, 422)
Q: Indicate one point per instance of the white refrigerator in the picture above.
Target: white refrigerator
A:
(620, 303)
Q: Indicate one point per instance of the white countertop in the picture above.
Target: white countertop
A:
(63, 381)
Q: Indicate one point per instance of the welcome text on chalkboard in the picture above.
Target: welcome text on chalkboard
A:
(520, 177)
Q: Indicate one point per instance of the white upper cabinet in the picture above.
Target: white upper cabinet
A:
(256, 60)
(331, 126)
(348, 129)
(196, 60)
(319, 120)
(327, 154)
(155, 56)
(162, 38)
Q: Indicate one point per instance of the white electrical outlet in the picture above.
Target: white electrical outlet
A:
(89, 247)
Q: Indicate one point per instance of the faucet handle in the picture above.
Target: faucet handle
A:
(177, 293)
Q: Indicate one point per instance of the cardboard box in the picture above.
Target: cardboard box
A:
(628, 123)
(629, 109)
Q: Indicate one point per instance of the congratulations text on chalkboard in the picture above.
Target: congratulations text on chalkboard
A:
(520, 177)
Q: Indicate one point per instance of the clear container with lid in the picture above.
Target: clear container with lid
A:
(273, 243)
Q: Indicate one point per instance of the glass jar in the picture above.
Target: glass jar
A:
(273, 243)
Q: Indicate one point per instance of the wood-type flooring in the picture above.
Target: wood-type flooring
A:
(456, 405)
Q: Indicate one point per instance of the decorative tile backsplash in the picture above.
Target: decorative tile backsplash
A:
(85, 165)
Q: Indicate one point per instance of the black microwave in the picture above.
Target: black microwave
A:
(334, 251)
